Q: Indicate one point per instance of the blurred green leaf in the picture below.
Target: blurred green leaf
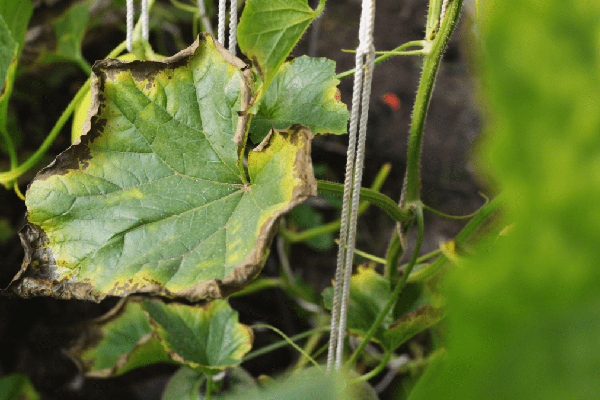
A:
(17, 387)
(184, 385)
(208, 338)
(121, 343)
(308, 385)
(187, 383)
(304, 92)
(70, 29)
(523, 317)
(369, 293)
(152, 200)
(269, 30)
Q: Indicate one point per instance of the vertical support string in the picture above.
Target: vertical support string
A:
(233, 27)
(145, 20)
(352, 182)
(350, 156)
(129, 25)
(221, 33)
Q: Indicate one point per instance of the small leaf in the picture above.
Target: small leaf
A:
(151, 199)
(119, 344)
(302, 92)
(269, 30)
(411, 323)
(17, 387)
(206, 338)
(369, 292)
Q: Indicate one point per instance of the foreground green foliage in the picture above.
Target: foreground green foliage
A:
(523, 316)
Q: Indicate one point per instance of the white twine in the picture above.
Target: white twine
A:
(233, 27)
(205, 19)
(348, 232)
(129, 25)
(145, 20)
(221, 37)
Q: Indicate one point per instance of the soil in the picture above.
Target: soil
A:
(33, 332)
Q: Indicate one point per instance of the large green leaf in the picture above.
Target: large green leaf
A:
(369, 292)
(151, 199)
(208, 338)
(118, 343)
(17, 387)
(524, 317)
(269, 30)
(303, 92)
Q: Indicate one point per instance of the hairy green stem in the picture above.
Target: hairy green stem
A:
(431, 63)
(397, 289)
(380, 200)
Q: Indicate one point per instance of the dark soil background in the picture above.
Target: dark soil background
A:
(33, 332)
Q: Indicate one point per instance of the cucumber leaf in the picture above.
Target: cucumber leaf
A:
(269, 30)
(141, 333)
(303, 92)
(411, 323)
(208, 338)
(151, 199)
(118, 343)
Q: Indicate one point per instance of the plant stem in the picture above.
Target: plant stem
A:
(441, 214)
(431, 63)
(334, 226)
(365, 254)
(209, 384)
(282, 343)
(397, 289)
(377, 369)
(380, 200)
(258, 285)
(386, 56)
(463, 237)
(290, 342)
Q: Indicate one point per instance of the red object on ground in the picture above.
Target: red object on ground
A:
(392, 100)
